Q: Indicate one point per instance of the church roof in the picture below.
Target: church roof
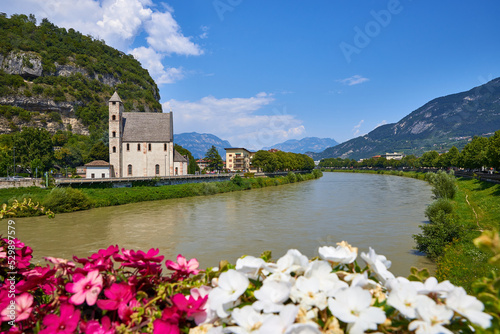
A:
(147, 127)
(115, 98)
(179, 157)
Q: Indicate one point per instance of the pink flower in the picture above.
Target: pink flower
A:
(188, 304)
(93, 327)
(65, 323)
(23, 257)
(85, 288)
(22, 309)
(118, 294)
(163, 327)
(125, 311)
(147, 263)
(100, 260)
(183, 268)
(38, 277)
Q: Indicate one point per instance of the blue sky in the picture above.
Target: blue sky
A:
(257, 73)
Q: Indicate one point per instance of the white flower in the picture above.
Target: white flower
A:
(432, 317)
(431, 285)
(468, 306)
(379, 264)
(328, 281)
(271, 296)
(292, 262)
(361, 280)
(308, 328)
(231, 286)
(247, 319)
(343, 253)
(352, 306)
(306, 291)
(250, 265)
(404, 299)
(279, 323)
(209, 315)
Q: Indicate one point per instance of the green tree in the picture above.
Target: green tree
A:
(99, 152)
(214, 159)
(473, 155)
(429, 159)
(265, 161)
(493, 151)
(31, 144)
(192, 166)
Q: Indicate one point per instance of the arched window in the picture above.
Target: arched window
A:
(113, 117)
(114, 149)
(157, 169)
(114, 133)
(129, 170)
(164, 147)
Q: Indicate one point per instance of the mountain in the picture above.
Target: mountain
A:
(60, 79)
(199, 143)
(437, 125)
(308, 144)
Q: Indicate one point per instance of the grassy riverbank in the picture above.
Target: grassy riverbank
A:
(68, 200)
(477, 207)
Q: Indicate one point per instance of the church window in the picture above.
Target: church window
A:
(164, 147)
(176, 170)
(114, 149)
(113, 117)
(114, 133)
(128, 147)
(138, 147)
(114, 102)
(129, 170)
(149, 147)
(157, 169)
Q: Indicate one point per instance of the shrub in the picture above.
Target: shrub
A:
(437, 209)
(66, 200)
(291, 177)
(443, 184)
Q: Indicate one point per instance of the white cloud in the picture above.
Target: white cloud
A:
(153, 62)
(235, 119)
(384, 122)
(354, 80)
(355, 129)
(118, 23)
(204, 29)
(164, 35)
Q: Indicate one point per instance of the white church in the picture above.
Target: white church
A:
(141, 144)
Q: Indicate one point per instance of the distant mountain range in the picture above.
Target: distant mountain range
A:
(308, 144)
(437, 125)
(199, 143)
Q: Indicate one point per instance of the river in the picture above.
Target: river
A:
(366, 210)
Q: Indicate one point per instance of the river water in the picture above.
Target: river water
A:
(366, 210)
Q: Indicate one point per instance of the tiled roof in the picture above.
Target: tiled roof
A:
(98, 163)
(147, 127)
(179, 157)
(115, 98)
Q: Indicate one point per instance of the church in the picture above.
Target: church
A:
(141, 144)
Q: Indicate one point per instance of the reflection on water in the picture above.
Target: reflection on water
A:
(366, 210)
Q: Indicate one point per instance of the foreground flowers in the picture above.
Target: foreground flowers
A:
(126, 291)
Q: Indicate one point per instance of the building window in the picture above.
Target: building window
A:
(157, 169)
(128, 147)
(114, 133)
(114, 149)
(114, 102)
(129, 170)
(149, 147)
(176, 170)
(92, 175)
(113, 117)
(165, 147)
(230, 155)
(138, 147)
(103, 175)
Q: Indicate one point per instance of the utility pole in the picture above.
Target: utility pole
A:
(14, 161)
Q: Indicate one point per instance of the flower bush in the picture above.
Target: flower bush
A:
(126, 291)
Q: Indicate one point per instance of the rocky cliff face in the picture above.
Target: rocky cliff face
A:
(29, 66)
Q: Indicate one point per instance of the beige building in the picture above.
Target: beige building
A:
(98, 169)
(238, 159)
(141, 144)
(393, 156)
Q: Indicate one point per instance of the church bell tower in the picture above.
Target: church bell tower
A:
(115, 134)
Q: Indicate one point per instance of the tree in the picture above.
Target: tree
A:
(99, 152)
(192, 166)
(31, 144)
(473, 155)
(493, 151)
(214, 159)
(429, 159)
